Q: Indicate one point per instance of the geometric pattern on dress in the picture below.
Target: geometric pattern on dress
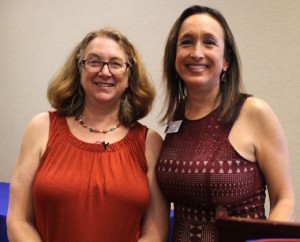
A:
(195, 167)
(198, 170)
(195, 233)
(223, 191)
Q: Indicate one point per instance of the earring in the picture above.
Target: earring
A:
(73, 99)
(223, 76)
(124, 97)
(77, 99)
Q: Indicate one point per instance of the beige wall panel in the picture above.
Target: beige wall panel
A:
(37, 35)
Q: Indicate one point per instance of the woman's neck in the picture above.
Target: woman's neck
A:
(103, 117)
(198, 105)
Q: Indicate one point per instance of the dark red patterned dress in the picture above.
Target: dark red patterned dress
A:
(199, 170)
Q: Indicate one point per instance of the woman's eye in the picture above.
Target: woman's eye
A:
(210, 42)
(116, 64)
(93, 62)
(186, 42)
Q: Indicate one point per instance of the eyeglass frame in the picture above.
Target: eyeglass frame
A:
(106, 63)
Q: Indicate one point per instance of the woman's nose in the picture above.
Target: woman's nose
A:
(197, 53)
(105, 70)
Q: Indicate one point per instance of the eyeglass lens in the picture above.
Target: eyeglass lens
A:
(115, 66)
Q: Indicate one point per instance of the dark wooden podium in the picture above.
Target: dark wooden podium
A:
(233, 229)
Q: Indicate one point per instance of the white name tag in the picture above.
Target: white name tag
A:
(173, 127)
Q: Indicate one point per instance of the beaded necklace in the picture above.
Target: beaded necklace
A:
(93, 130)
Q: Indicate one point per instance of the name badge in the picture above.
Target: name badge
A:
(173, 127)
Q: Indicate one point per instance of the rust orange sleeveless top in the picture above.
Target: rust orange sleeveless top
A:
(82, 192)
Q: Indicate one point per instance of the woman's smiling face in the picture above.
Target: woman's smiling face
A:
(200, 51)
(103, 86)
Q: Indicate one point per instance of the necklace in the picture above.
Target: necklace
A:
(93, 130)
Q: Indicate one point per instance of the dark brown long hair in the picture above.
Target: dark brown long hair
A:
(230, 91)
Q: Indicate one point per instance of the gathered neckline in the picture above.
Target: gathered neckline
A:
(64, 127)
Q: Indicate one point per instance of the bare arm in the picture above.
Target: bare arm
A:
(20, 226)
(155, 224)
(271, 151)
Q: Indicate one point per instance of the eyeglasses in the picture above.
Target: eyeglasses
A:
(116, 67)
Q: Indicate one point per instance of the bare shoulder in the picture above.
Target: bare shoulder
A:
(153, 140)
(261, 119)
(153, 136)
(153, 146)
(32, 148)
(256, 106)
(37, 131)
(40, 120)
(257, 110)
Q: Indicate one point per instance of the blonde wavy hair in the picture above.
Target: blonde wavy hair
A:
(67, 96)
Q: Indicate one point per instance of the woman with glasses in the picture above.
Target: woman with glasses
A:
(86, 170)
(223, 146)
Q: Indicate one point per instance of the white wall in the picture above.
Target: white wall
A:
(37, 35)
